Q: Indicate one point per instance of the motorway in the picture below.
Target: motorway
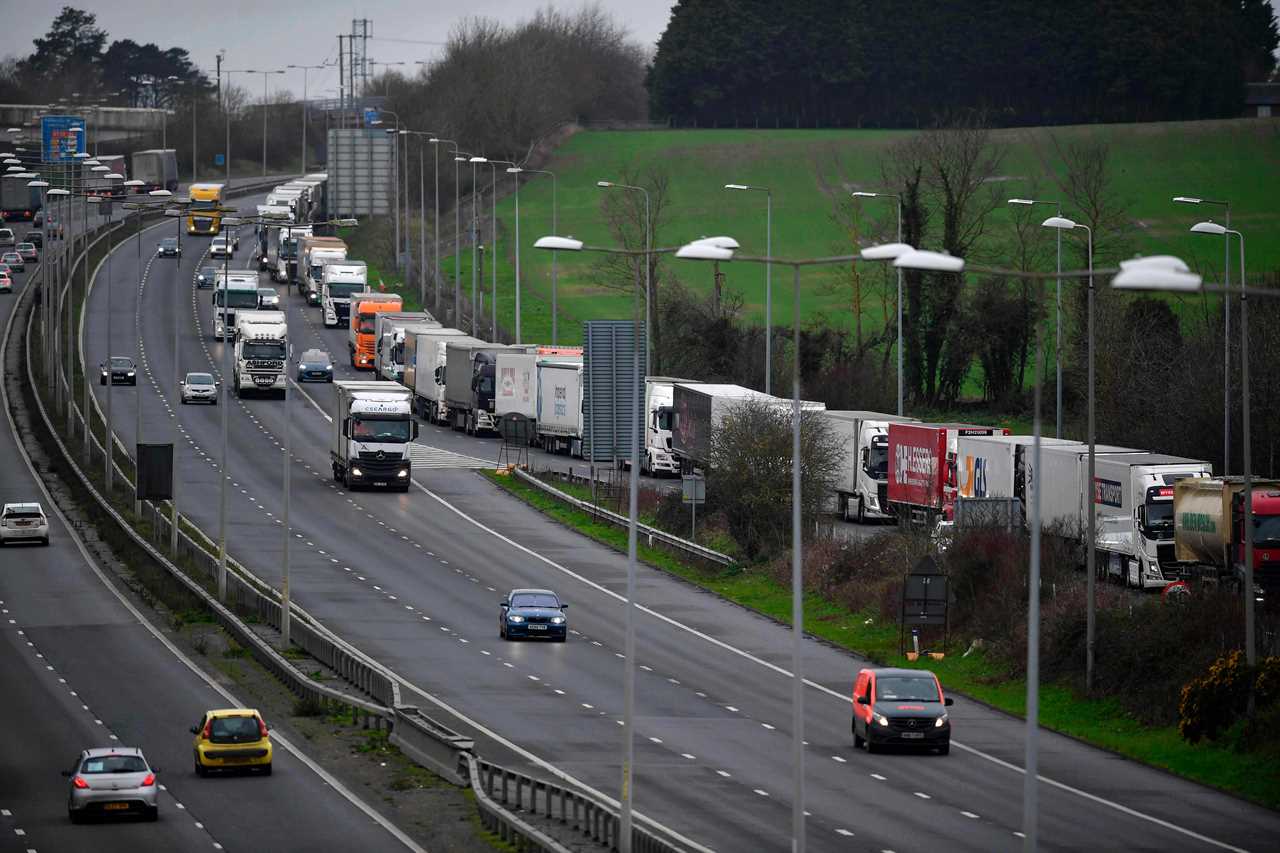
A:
(83, 668)
(414, 580)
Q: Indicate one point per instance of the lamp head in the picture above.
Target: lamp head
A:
(920, 259)
(1163, 262)
(864, 194)
(514, 170)
(736, 187)
(38, 184)
(58, 191)
(704, 251)
(1152, 277)
(114, 176)
(719, 242)
(1187, 199)
(479, 159)
(134, 183)
(886, 251)
(160, 193)
(1023, 201)
(1060, 222)
(561, 244)
(604, 184)
(1208, 227)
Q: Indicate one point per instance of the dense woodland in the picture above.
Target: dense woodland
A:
(897, 63)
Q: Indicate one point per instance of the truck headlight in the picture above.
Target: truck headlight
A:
(940, 722)
(130, 372)
(880, 719)
(402, 473)
(355, 472)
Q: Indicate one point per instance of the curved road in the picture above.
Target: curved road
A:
(414, 580)
(83, 668)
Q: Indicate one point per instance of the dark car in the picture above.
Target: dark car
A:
(123, 371)
(35, 238)
(900, 707)
(206, 277)
(169, 248)
(315, 366)
(29, 252)
(532, 613)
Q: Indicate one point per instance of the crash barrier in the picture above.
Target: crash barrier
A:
(424, 740)
(653, 533)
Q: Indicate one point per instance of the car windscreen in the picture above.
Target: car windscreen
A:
(121, 362)
(169, 242)
(375, 429)
(199, 379)
(906, 688)
(234, 730)
(113, 764)
(535, 599)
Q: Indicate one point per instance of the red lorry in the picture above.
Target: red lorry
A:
(922, 468)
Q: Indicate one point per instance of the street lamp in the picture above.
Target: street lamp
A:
(1214, 228)
(422, 212)
(768, 281)
(475, 242)
(1226, 325)
(1060, 223)
(1031, 202)
(898, 202)
(135, 184)
(265, 74)
(305, 107)
(435, 253)
(45, 302)
(554, 255)
(648, 247)
(107, 474)
(493, 230)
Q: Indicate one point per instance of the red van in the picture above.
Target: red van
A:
(900, 707)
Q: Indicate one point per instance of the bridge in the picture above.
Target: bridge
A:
(105, 124)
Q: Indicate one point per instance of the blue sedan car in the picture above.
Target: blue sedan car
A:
(532, 613)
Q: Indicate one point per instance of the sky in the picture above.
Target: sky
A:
(273, 34)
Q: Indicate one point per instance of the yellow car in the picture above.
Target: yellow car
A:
(229, 739)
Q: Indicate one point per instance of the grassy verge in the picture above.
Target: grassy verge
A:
(1100, 722)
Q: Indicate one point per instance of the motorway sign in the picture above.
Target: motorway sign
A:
(370, 116)
(58, 142)
(219, 159)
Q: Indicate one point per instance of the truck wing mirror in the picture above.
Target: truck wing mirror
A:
(345, 423)
(415, 429)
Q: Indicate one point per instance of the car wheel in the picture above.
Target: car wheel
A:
(102, 381)
(561, 639)
(201, 770)
(872, 746)
(502, 632)
(45, 542)
(184, 401)
(857, 738)
(266, 770)
(152, 814)
(945, 749)
(74, 816)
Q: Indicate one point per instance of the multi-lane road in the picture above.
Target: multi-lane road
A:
(414, 580)
(82, 667)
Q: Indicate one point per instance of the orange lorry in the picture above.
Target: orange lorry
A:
(362, 340)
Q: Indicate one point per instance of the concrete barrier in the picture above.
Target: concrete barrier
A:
(430, 743)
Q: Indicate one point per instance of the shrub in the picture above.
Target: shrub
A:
(1212, 703)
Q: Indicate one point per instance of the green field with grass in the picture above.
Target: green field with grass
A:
(809, 170)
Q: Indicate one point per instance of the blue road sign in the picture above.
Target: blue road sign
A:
(59, 143)
(219, 159)
(370, 116)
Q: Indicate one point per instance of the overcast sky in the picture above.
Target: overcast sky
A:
(269, 34)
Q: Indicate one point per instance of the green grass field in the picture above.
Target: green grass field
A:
(809, 170)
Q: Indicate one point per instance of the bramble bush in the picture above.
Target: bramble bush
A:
(1213, 703)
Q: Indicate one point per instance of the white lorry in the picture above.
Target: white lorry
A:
(659, 414)
(267, 231)
(157, 168)
(559, 414)
(699, 409)
(233, 291)
(996, 466)
(424, 361)
(516, 384)
(261, 353)
(386, 364)
(392, 362)
(863, 484)
(338, 281)
(287, 251)
(371, 432)
(311, 265)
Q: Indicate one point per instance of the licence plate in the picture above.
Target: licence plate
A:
(913, 735)
(537, 627)
(115, 806)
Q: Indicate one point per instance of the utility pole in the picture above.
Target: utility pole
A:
(342, 85)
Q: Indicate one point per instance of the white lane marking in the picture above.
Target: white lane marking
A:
(761, 792)
(844, 832)
(922, 795)
(841, 759)
(689, 756)
(970, 815)
(725, 773)
(877, 776)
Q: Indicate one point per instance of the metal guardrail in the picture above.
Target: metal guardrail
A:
(425, 740)
(653, 533)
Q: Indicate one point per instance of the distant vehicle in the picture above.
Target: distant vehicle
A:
(6, 283)
(169, 248)
(315, 366)
(112, 780)
(23, 522)
(157, 168)
(199, 388)
(35, 238)
(14, 260)
(532, 613)
(231, 739)
(205, 214)
(29, 252)
(52, 224)
(900, 707)
(234, 234)
(268, 298)
(206, 276)
(123, 371)
(220, 247)
(8, 238)
(4, 268)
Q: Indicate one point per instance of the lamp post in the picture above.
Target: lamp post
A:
(394, 133)
(1030, 202)
(435, 252)
(108, 474)
(140, 207)
(422, 212)
(60, 194)
(554, 255)
(226, 112)
(45, 302)
(898, 202)
(305, 107)
(768, 281)
(265, 75)
(1226, 325)
(459, 158)
(648, 248)
(475, 243)
(515, 171)
(493, 231)
(1214, 228)
(182, 205)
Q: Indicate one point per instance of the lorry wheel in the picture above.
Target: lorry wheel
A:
(862, 512)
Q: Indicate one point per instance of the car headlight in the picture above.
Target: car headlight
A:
(557, 620)
(512, 617)
(880, 719)
(940, 722)
(130, 372)
(355, 472)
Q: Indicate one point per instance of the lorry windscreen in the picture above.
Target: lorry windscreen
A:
(198, 204)
(1160, 514)
(878, 461)
(237, 299)
(380, 430)
(484, 386)
(365, 324)
(344, 289)
(665, 416)
(263, 350)
(1266, 531)
(288, 248)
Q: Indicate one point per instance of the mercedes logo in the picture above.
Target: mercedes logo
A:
(911, 723)
(382, 454)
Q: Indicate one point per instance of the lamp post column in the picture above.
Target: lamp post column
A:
(1250, 646)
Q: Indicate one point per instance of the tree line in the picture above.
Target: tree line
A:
(895, 63)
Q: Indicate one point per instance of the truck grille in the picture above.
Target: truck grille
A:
(1165, 553)
(265, 364)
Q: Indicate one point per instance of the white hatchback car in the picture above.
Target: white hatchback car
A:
(199, 388)
(220, 247)
(23, 522)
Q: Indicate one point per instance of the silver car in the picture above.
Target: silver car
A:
(268, 298)
(109, 781)
(199, 388)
